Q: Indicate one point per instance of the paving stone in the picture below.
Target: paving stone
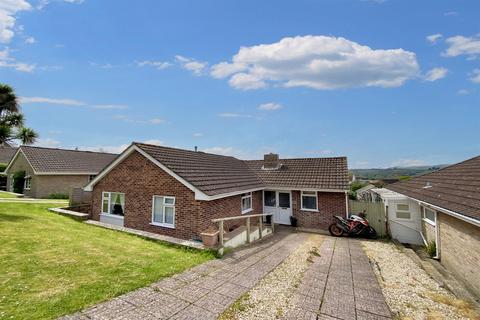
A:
(231, 289)
(373, 306)
(215, 303)
(306, 303)
(187, 276)
(223, 274)
(193, 312)
(339, 306)
(112, 309)
(300, 314)
(362, 315)
(207, 282)
(190, 293)
(361, 294)
(75, 316)
(140, 297)
(168, 285)
(137, 314)
(166, 306)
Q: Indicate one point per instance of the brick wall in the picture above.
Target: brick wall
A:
(460, 250)
(139, 179)
(329, 204)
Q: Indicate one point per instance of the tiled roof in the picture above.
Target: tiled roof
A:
(49, 160)
(305, 173)
(456, 188)
(210, 173)
(7, 151)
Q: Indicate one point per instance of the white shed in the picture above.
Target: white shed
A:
(403, 215)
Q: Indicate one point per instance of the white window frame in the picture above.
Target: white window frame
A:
(309, 194)
(110, 203)
(245, 196)
(27, 183)
(403, 211)
(164, 204)
(427, 220)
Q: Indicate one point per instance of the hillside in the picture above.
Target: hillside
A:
(395, 172)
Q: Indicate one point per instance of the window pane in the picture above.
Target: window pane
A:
(158, 209)
(270, 199)
(169, 213)
(403, 207)
(309, 202)
(169, 201)
(403, 215)
(117, 204)
(284, 200)
(105, 203)
(430, 215)
(246, 203)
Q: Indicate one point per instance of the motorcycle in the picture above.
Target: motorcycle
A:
(356, 225)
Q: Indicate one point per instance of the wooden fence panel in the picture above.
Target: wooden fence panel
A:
(375, 213)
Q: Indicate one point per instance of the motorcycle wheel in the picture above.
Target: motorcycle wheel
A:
(372, 234)
(335, 230)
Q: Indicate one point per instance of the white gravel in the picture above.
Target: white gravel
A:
(409, 291)
(270, 298)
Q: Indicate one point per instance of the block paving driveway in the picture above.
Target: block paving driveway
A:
(340, 284)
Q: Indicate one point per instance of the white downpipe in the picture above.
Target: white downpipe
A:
(437, 237)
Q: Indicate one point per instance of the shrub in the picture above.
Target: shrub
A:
(58, 195)
(18, 181)
(431, 249)
(3, 166)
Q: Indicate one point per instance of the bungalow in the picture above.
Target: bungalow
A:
(45, 171)
(448, 204)
(178, 192)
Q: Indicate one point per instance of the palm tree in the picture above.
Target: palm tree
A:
(12, 120)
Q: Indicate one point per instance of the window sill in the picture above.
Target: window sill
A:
(247, 211)
(310, 210)
(430, 222)
(163, 225)
(109, 215)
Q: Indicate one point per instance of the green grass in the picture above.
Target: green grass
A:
(51, 265)
(6, 195)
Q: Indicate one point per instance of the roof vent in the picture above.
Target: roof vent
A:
(427, 185)
(271, 162)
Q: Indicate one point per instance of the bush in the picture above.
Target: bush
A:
(431, 249)
(18, 181)
(58, 195)
(3, 166)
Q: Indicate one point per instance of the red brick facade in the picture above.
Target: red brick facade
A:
(329, 204)
(139, 179)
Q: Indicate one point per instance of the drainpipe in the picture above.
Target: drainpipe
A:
(346, 204)
(437, 237)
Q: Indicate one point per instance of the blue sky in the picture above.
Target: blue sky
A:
(384, 83)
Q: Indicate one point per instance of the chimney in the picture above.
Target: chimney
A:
(196, 148)
(271, 161)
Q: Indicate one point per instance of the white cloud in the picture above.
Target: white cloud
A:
(460, 45)
(408, 163)
(198, 134)
(475, 76)
(48, 143)
(270, 106)
(65, 102)
(224, 151)
(8, 10)
(233, 115)
(450, 13)
(6, 61)
(43, 3)
(156, 121)
(160, 65)
(463, 92)
(322, 152)
(154, 142)
(190, 64)
(129, 119)
(108, 149)
(436, 74)
(319, 62)
(30, 40)
(110, 106)
(433, 38)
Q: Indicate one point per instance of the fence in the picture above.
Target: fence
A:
(375, 213)
(80, 197)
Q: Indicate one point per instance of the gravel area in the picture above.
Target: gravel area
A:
(270, 298)
(409, 291)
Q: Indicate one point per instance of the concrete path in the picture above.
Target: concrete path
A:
(202, 292)
(340, 284)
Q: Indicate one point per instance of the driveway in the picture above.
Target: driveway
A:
(339, 284)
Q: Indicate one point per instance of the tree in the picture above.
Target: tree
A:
(12, 120)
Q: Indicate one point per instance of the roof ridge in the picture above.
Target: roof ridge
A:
(62, 149)
(187, 150)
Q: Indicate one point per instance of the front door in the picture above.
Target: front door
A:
(279, 204)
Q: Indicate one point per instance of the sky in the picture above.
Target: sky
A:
(385, 82)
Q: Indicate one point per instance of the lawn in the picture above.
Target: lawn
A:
(51, 265)
(7, 195)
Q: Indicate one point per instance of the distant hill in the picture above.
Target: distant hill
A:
(395, 172)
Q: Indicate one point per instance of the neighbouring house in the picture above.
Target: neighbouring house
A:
(48, 171)
(7, 151)
(178, 192)
(364, 194)
(445, 207)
